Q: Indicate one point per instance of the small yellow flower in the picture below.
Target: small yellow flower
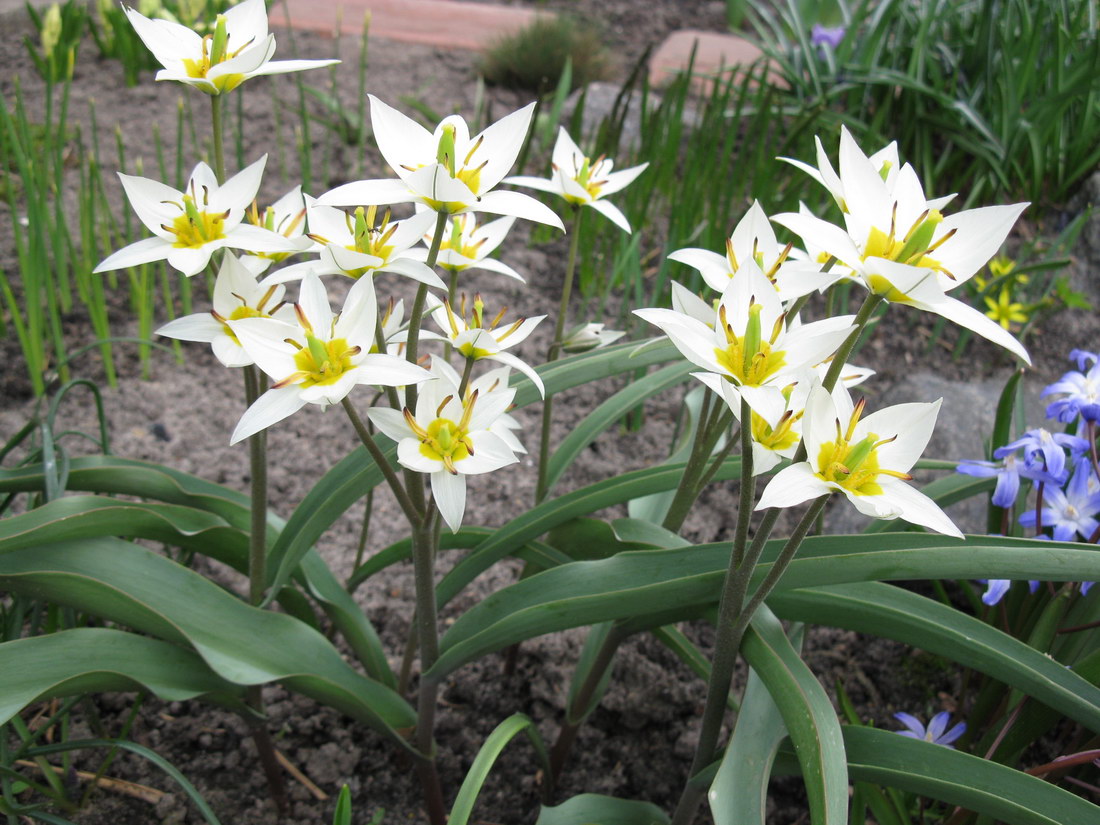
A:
(1004, 310)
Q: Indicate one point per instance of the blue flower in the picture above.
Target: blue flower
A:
(1044, 453)
(936, 732)
(1081, 390)
(830, 36)
(1070, 512)
(1007, 472)
(995, 590)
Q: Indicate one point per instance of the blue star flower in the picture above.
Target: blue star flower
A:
(936, 732)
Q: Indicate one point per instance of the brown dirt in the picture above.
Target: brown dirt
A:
(638, 743)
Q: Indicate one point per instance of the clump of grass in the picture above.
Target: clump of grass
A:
(534, 57)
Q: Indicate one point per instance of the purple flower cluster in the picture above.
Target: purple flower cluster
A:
(1061, 466)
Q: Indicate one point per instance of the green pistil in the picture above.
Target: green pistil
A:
(445, 152)
(219, 42)
(323, 362)
(194, 228)
(751, 344)
(920, 237)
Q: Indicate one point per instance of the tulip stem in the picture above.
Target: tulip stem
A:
(863, 317)
(424, 541)
(734, 616)
(257, 458)
(407, 507)
(413, 480)
(713, 421)
(748, 487)
(219, 144)
(554, 352)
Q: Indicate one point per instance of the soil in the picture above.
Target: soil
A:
(639, 741)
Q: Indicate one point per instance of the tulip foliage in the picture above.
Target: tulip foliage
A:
(772, 403)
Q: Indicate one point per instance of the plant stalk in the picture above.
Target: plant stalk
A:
(733, 620)
(410, 510)
(257, 459)
(219, 139)
(554, 352)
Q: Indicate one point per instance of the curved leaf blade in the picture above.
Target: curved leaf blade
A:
(608, 413)
(888, 611)
(487, 756)
(958, 778)
(807, 714)
(240, 643)
(99, 659)
(739, 793)
(590, 808)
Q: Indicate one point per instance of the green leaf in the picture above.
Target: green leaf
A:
(242, 644)
(957, 778)
(608, 413)
(890, 612)
(543, 518)
(342, 814)
(110, 474)
(654, 587)
(85, 660)
(326, 501)
(638, 531)
(807, 714)
(739, 793)
(479, 771)
(586, 539)
(575, 370)
(593, 809)
(76, 517)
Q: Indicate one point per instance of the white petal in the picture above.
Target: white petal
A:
(415, 270)
(198, 327)
(792, 486)
(390, 371)
(270, 408)
(140, 252)
(449, 493)
(621, 179)
(191, 260)
(541, 184)
(401, 140)
(239, 191)
(287, 66)
(391, 422)
(501, 143)
(375, 192)
(510, 360)
(612, 213)
(501, 202)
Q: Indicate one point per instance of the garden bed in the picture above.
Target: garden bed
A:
(639, 742)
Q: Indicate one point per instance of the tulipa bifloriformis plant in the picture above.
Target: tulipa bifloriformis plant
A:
(776, 412)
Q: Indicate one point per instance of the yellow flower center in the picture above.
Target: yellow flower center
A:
(323, 362)
(914, 248)
(445, 441)
(445, 155)
(748, 358)
(781, 437)
(193, 228)
(215, 50)
(854, 467)
(239, 313)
